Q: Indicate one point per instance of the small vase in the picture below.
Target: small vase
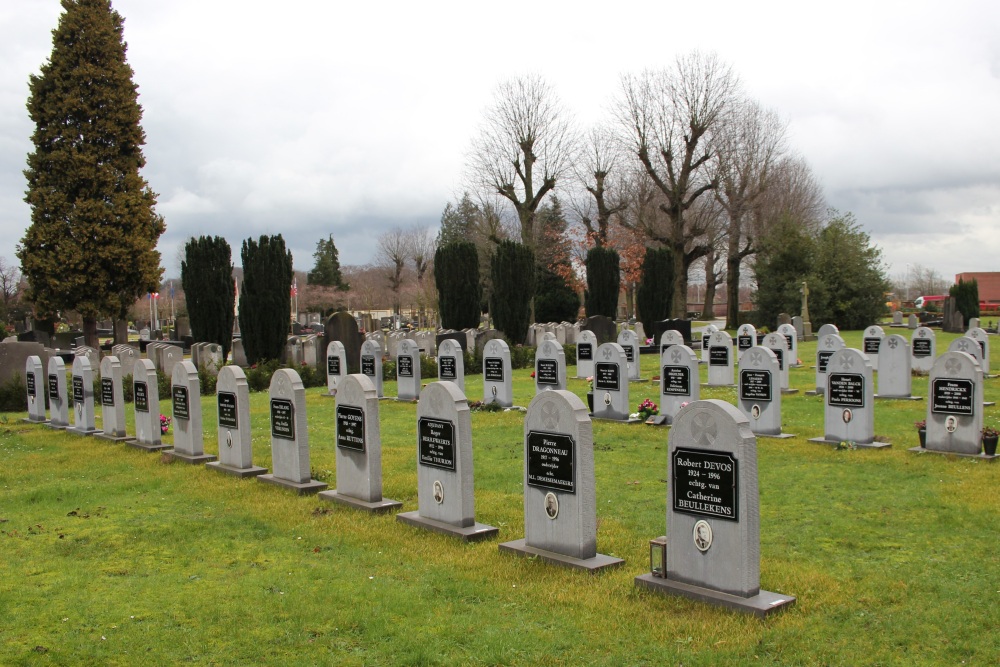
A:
(922, 433)
(990, 445)
(590, 401)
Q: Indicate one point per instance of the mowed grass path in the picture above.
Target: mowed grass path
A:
(111, 556)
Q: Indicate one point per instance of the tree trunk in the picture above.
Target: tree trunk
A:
(732, 292)
(121, 331)
(90, 333)
(679, 307)
(708, 305)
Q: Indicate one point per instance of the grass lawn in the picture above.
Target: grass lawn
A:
(111, 556)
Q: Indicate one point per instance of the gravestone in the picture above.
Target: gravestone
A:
(713, 513)
(746, 337)
(611, 395)
(670, 337)
(792, 339)
(797, 324)
(336, 366)
(550, 367)
(560, 499)
(759, 394)
(343, 327)
(497, 381)
(358, 441)
(127, 356)
(779, 345)
(371, 364)
(828, 329)
(679, 383)
(170, 356)
(586, 345)
(602, 327)
(146, 405)
(912, 322)
(239, 355)
(460, 338)
(827, 345)
(629, 342)
(683, 327)
(871, 343)
(720, 360)
(784, 318)
(969, 346)
(185, 395)
(14, 356)
(445, 489)
(290, 435)
(923, 348)
(849, 405)
(112, 401)
(407, 371)
(56, 386)
(973, 324)
(82, 398)
(451, 363)
(981, 337)
(92, 355)
(894, 379)
(897, 318)
(954, 406)
(706, 335)
(232, 402)
(37, 383)
(310, 350)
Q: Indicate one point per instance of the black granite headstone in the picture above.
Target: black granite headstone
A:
(603, 327)
(343, 327)
(683, 327)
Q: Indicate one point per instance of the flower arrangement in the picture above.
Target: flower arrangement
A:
(532, 374)
(921, 425)
(647, 409)
(649, 341)
(990, 432)
(164, 424)
(590, 383)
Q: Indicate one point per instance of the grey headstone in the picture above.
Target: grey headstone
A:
(92, 355)
(872, 342)
(779, 345)
(923, 347)
(112, 399)
(550, 367)
(232, 404)
(955, 404)
(185, 397)
(827, 345)
(82, 397)
(981, 337)
(973, 323)
(37, 385)
(706, 335)
(629, 341)
(170, 356)
(969, 346)
(560, 500)
(343, 327)
(14, 356)
(759, 393)
(451, 363)
(497, 380)
(310, 350)
(784, 318)
(290, 435)
(912, 322)
(849, 404)
(586, 346)
(894, 379)
(146, 405)
(897, 318)
(720, 359)
(827, 329)
(611, 395)
(746, 337)
(56, 387)
(679, 381)
(336, 366)
(640, 332)
(239, 355)
(791, 337)
(127, 356)
(670, 337)
(408, 371)
(371, 364)
(800, 330)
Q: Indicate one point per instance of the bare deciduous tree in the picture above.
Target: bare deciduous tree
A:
(391, 253)
(598, 163)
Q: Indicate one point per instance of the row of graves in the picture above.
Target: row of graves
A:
(711, 549)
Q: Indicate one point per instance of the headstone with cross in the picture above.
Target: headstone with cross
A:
(706, 336)
(185, 395)
(746, 337)
(611, 394)
(849, 404)
(560, 500)
(82, 395)
(358, 441)
(146, 405)
(713, 513)
(336, 365)
(586, 346)
(371, 364)
(969, 346)
(872, 343)
(779, 345)
(894, 376)
(923, 349)
(679, 383)
(759, 394)
(720, 359)
(825, 347)
(55, 385)
(550, 367)
(112, 397)
(232, 401)
(629, 341)
(289, 435)
(670, 337)
(34, 377)
(451, 363)
(445, 495)
(497, 381)
(981, 337)
(792, 340)
(827, 329)
(954, 404)
(912, 322)
(407, 370)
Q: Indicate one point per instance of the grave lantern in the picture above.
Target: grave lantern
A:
(658, 556)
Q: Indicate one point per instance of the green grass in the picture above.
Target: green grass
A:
(111, 556)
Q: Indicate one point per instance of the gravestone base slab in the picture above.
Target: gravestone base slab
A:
(58, 427)
(380, 507)
(328, 395)
(989, 404)
(617, 421)
(979, 457)
(638, 379)
(301, 488)
(900, 398)
(595, 564)
(812, 392)
(174, 455)
(252, 471)
(114, 438)
(148, 448)
(786, 392)
(659, 420)
(869, 445)
(722, 386)
(402, 400)
(29, 420)
(82, 431)
(473, 533)
(777, 436)
(760, 605)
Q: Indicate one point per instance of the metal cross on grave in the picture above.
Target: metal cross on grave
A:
(846, 362)
(705, 429)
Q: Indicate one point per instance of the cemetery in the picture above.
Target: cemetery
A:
(841, 529)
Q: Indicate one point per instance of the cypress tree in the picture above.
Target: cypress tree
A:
(93, 233)
(265, 299)
(966, 298)
(603, 282)
(513, 272)
(207, 278)
(656, 288)
(555, 301)
(327, 270)
(456, 274)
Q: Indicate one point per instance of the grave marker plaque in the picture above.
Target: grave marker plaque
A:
(550, 367)
(34, 375)
(146, 404)
(894, 376)
(83, 397)
(497, 381)
(629, 342)
(408, 371)
(746, 337)
(954, 412)
(185, 389)
(720, 359)
(848, 414)
(232, 397)
(792, 344)
(451, 363)
(289, 435)
(371, 364)
(759, 397)
(611, 386)
(923, 346)
(112, 401)
(827, 345)
(586, 345)
(58, 408)
(872, 342)
(779, 346)
(336, 365)
(679, 382)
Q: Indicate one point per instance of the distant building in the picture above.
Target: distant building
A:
(988, 281)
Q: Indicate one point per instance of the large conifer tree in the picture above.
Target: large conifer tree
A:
(513, 272)
(91, 243)
(265, 298)
(207, 277)
(456, 275)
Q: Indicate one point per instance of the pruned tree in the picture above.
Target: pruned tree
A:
(207, 280)
(265, 297)
(91, 245)
(513, 272)
(669, 117)
(459, 298)
(966, 294)
(603, 282)
(655, 288)
(598, 163)
(10, 286)
(391, 253)
(523, 149)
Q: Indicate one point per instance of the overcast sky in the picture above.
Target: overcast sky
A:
(314, 117)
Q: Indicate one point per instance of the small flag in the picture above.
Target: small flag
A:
(171, 289)
(295, 287)
(155, 295)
